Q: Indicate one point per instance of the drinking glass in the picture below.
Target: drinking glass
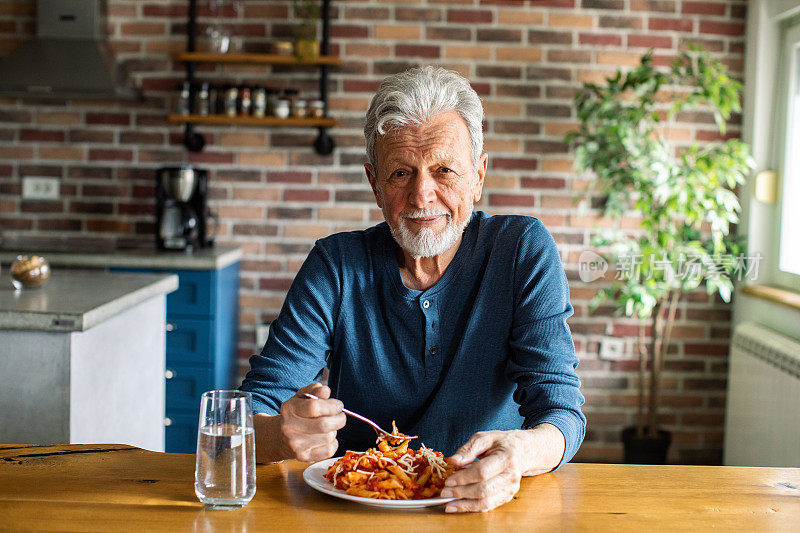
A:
(225, 476)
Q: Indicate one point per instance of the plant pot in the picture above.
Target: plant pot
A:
(306, 49)
(646, 450)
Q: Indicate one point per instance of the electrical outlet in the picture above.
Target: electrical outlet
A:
(262, 332)
(40, 188)
(612, 349)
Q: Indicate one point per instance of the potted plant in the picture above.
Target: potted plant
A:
(684, 199)
(307, 14)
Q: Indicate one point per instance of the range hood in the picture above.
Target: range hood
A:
(68, 58)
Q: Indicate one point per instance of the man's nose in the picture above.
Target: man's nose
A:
(423, 190)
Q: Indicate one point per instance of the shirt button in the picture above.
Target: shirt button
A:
(434, 350)
(426, 304)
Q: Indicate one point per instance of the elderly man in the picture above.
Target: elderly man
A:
(449, 321)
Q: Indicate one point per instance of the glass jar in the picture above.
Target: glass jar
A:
(245, 101)
(231, 98)
(213, 99)
(282, 108)
(201, 101)
(182, 106)
(259, 102)
(299, 108)
(316, 109)
(272, 100)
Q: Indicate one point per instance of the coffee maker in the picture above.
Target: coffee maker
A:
(181, 216)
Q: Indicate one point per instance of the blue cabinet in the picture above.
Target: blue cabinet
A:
(202, 335)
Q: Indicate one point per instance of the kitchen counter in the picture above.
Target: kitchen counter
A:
(78, 300)
(82, 359)
(215, 257)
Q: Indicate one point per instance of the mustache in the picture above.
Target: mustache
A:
(426, 213)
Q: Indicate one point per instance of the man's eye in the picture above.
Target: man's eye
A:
(446, 170)
(399, 173)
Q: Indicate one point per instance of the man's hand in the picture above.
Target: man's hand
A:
(304, 430)
(504, 457)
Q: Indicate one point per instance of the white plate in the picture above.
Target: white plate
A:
(313, 476)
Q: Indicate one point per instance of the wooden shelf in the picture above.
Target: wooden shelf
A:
(256, 121)
(263, 59)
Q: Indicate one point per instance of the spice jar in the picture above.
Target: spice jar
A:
(182, 105)
(231, 97)
(272, 100)
(245, 100)
(282, 108)
(259, 102)
(316, 109)
(201, 101)
(299, 108)
(213, 96)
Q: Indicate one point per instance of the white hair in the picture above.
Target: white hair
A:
(415, 97)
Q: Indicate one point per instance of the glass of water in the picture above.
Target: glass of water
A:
(225, 476)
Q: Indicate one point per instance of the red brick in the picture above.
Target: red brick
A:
(543, 183)
(702, 8)
(513, 163)
(722, 28)
(349, 31)
(119, 119)
(417, 50)
(306, 195)
(512, 200)
(289, 177)
(41, 135)
(469, 15)
(662, 24)
(649, 41)
(97, 154)
(600, 39)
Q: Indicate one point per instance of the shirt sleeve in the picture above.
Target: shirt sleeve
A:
(543, 358)
(300, 338)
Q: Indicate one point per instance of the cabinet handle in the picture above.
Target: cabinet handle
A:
(169, 373)
(167, 421)
(170, 326)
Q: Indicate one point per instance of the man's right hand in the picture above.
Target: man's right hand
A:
(304, 430)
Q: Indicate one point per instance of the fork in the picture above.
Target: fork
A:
(375, 426)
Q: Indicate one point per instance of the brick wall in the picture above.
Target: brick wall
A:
(275, 196)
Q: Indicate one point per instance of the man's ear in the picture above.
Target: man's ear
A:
(478, 189)
(373, 182)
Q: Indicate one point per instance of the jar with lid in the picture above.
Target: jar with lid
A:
(272, 100)
(282, 108)
(316, 108)
(298, 108)
(259, 101)
(182, 105)
(245, 100)
(230, 101)
(213, 98)
(201, 100)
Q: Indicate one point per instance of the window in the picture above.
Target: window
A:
(788, 148)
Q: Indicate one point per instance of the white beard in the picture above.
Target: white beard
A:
(427, 242)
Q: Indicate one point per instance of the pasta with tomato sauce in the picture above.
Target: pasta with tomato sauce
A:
(391, 471)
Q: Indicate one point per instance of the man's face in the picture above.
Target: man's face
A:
(425, 183)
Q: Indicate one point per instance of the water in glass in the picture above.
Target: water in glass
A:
(225, 477)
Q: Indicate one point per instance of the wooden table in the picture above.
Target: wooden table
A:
(121, 488)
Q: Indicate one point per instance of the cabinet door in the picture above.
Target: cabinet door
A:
(196, 293)
(190, 340)
(180, 433)
(185, 385)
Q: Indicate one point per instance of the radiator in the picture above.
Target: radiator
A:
(762, 422)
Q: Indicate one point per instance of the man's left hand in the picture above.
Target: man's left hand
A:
(504, 457)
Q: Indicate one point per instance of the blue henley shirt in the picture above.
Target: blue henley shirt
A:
(487, 347)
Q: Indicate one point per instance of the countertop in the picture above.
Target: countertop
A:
(212, 258)
(76, 300)
(112, 487)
